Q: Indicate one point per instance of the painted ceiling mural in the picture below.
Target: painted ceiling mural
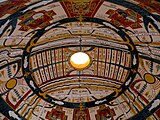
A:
(122, 39)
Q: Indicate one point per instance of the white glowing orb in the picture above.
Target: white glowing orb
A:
(80, 60)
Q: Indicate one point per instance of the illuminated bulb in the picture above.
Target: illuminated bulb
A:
(80, 60)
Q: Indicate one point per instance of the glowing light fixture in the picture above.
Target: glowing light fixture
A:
(80, 60)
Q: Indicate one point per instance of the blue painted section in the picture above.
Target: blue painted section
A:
(7, 111)
(148, 110)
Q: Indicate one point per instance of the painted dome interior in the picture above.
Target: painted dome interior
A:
(121, 80)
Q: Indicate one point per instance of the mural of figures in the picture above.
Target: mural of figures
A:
(105, 113)
(57, 113)
(41, 80)
(81, 114)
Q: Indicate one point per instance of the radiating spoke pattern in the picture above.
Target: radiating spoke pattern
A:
(119, 81)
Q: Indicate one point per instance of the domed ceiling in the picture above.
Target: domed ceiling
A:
(38, 80)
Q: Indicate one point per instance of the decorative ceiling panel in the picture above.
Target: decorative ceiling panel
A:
(38, 38)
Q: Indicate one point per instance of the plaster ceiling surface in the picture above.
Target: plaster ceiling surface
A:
(121, 38)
